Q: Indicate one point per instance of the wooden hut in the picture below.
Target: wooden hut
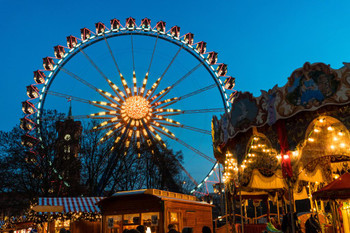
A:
(155, 209)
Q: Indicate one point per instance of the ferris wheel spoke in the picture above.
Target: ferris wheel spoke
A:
(186, 75)
(176, 99)
(105, 105)
(125, 85)
(68, 97)
(109, 113)
(189, 128)
(158, 127)
(109, 96)
(116, 90)
(166, 103)
(106, 123)
(174, 112)
(181, 166)
(132, 53)
(83, 81)
(111, 84)
(187, 173)
(93, 64)
(160, 95)
(152, 134)
(99, 117)
(111, 125)
(110, 51)
(98, 104)
(134, 80)
(154, 49)
(110, 133)
(191, 148)
(144, 83)
(163, 93)
(154, 87)
(111, 164)
(161, 118)
(197, 91)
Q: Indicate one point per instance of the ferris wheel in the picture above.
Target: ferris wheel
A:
(145, 84)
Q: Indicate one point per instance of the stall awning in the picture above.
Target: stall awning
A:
(337, 189)
(72, 204)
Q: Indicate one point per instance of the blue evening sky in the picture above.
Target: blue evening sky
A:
(261, 41)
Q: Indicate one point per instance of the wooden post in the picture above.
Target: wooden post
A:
(278, 209)
(268, 210)
(291, 208)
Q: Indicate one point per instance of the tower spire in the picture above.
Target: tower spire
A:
(70, 110)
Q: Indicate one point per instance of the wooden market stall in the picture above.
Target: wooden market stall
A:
(77, 214)
(155, 209)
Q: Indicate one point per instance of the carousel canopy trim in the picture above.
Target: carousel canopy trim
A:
(72, 204)
(308, 88)
(259, 181)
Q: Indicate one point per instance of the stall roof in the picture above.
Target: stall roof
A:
(71, 204)
(337, 189)
(163, 195)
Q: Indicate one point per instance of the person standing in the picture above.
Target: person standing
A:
(172, 228)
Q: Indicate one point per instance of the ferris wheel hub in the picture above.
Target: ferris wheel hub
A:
(136, 107)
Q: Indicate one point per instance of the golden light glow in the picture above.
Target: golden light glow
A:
(134, 115)
(136, 107)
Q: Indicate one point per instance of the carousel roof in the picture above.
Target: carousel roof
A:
(337, 189)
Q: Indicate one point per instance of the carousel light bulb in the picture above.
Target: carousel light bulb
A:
(330, 128)
(335, 139)
(311, 139)
(332, 147)
(342, 145)
(340, 133)
(316, 130)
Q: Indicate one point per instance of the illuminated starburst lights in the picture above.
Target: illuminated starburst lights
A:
(136, 114)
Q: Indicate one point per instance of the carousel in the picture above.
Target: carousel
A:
(280, 148)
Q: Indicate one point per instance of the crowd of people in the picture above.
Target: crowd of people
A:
(171, 229)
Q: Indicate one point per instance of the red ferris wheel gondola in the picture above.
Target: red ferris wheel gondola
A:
(48, 63)
(160, 26)
(85, 33)
(175, 31)
(100, 28)
(230, 83)
(39, 77)
(201, 47)
(189, 38)
(222, 69)
(59, 51)
(29, 141)
(212, 58)
(115, 24)
(71, 41)
(32, 92)
(146, 23)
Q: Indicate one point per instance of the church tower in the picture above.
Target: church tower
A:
(67, 162)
